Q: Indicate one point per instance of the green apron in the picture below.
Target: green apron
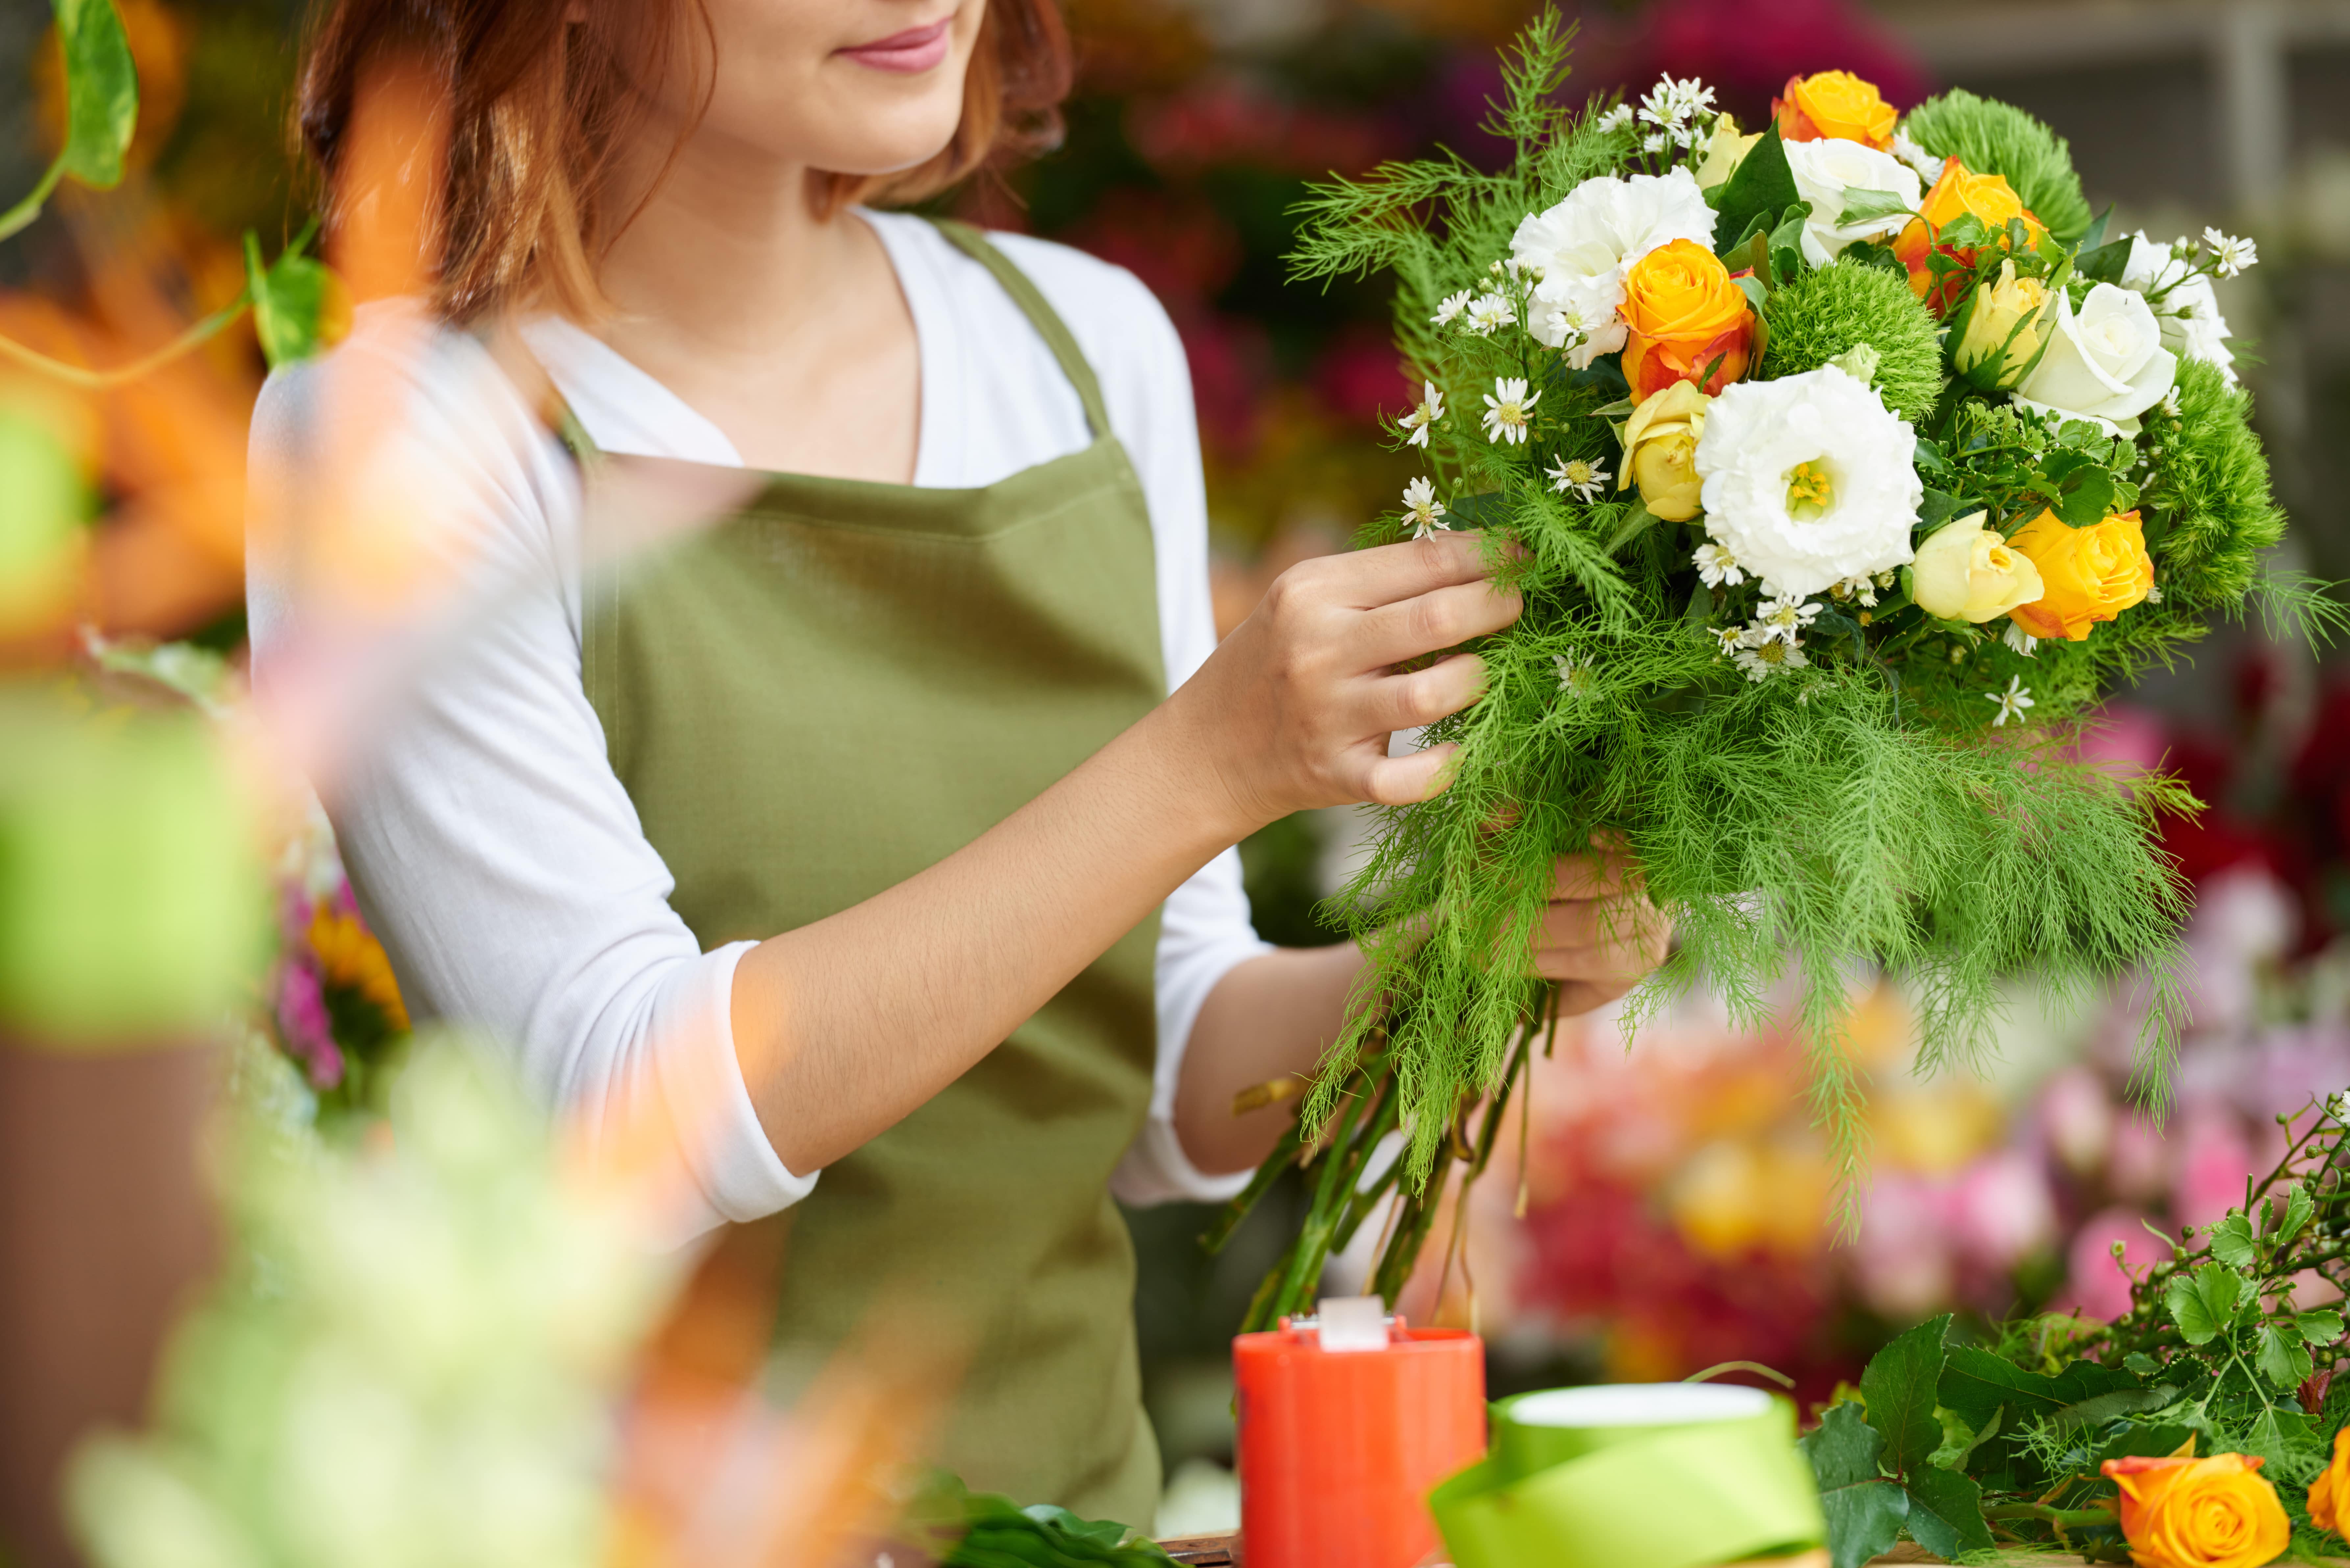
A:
(828, 691)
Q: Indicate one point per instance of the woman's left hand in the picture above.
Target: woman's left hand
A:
(1600, 935)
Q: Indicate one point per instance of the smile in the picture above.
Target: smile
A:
(915, 49)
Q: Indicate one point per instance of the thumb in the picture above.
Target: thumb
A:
(1400, 781)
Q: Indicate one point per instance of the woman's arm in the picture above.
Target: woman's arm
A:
(845, 1025)
(1274, 1016)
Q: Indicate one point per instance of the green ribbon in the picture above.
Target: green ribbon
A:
(1662, 1494)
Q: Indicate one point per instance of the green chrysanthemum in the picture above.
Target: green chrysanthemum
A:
(2212, 491)
(1827, 313)
(2000, 138)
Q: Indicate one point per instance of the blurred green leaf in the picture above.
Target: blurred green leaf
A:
(42, 505)
(101, 91)
(1865, 1512)
(295, 300)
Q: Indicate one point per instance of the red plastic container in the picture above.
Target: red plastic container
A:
(1338, 1450)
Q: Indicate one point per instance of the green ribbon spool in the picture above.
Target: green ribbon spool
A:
(1666, 1475)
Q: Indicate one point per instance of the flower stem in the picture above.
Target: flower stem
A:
(25, 210)
(99, 381)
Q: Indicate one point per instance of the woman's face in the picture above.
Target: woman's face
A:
(848, 86)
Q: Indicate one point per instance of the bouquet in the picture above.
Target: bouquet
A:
(1842, 464)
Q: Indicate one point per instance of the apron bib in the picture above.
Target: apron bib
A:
(831, 690)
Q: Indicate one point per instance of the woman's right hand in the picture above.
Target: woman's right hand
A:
(1294, 709)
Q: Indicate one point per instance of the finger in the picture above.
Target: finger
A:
(1392, 633)
(1391, 572)
(1400, 781)
(1625, 960)
(1577, 997)
(1573, 923)
(1421, 697)
(1595, 874)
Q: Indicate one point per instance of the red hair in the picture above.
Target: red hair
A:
(537, 105)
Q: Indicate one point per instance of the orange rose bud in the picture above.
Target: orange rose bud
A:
(1989, 197)
(1834, 106)
(2086, 575)
(1684, 314)
(2330, 1492)
(2179, 1512)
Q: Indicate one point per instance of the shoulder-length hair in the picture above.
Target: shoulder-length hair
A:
(536, 107)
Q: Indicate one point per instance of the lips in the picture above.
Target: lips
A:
(915, 49)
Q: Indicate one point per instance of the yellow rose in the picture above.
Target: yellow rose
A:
(2003, 319)
(1685, 316)
(1660, 451)
(2330, 1492)
(1966, 572)
(1724, 153)
(2218, 1513)
(2086, 575)
(1836, 106)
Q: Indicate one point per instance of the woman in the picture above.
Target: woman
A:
(892, 816)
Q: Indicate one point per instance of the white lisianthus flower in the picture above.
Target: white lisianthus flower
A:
(2105, 363)
(1809, 480)
(2188, 310)
(1580, 248)
(1829, 172)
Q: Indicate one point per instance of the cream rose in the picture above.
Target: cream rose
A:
(2105, 362)
(1829, 172)
(1966, 572)
(1580, 248)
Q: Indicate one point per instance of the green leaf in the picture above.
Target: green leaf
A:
(1899, 1386)
(1946, 1513)
(2282, 1359)
(2297, 1210)
(2287, 1443)
(2145, 1442)
(1787, 242)
(1860, 206)
(291, 300)
(2099, 1410)
(2105, 263)
(1763, 185)
(101, 91)
(2231, 1240)
(1976, 1383)
(1638, 520)
(2322, 1326)
(2142, 1364)
(2203, 1302)
(1865, 1512)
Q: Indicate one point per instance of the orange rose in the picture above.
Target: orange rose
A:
(1989, 197)
(2179, 1512)
(1834, 106)
(2086, 575)
(2330, 1492)
(1684, 314)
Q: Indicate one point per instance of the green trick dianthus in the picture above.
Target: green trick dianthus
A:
(1998, 139)
(2211, 489)
(1827, 313)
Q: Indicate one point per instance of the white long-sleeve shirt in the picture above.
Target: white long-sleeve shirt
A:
(492, 847)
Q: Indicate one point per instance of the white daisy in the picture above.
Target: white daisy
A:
(1762, 660)
(1454, 304)
(1583, 478)
(2230, 255)
(1730, 638)
(2170, 402)
(1431, 410)
(2023, 641)
(1616, 119)
(1422, 509)
(1670, 105)
(1508, 415)
(1574, 675)
(1655, 141)
(1783, 618)
(2012, 702)
(1716, 566)
(1863, 588)
(2154, 593)
(1928, 167)
(1489, 312)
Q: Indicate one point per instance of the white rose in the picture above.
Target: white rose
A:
(1580, 248)
(1830, 171)
(1809, 479)
(2188, 310)
(2106, 363)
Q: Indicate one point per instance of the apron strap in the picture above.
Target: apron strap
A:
(1041, 316)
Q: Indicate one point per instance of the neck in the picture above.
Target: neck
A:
(725, 258)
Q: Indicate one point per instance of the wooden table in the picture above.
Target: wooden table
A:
(1224, 1552)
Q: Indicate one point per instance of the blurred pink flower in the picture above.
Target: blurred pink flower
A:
(1902, 1260)
(2077, 1118)
(2214, 1159)
(2140, 1162)
(1750, 48)
(2001, 1211)
(302, 1020)
(2096, 1287)
(2125, 740)
(1360, 377)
